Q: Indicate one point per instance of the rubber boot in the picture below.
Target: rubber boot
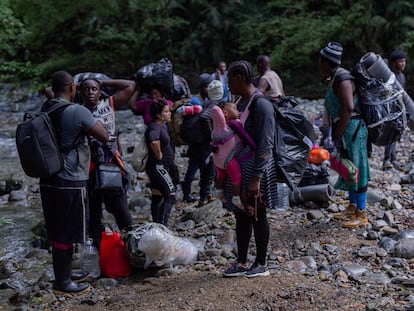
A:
(79, 276)
(187, 197)
(347, 213)
(62, 266)
(359, 219)
(167, 206)
(156, 213)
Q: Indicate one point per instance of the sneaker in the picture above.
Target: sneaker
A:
(257, 270)
(235, 270)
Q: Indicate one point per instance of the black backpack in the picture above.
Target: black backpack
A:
(37, 143)
(190, 130)
(294, 138)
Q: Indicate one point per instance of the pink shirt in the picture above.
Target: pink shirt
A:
(143, 109)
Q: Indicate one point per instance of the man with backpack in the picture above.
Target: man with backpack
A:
(199, 151)
(64, 195)
(349, 132)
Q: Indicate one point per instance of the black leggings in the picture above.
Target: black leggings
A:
(244, 226)
(160, 179)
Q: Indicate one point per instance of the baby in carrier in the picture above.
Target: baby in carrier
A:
(228, 138)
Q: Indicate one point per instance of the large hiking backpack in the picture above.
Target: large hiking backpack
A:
(139, 156)
(294, 138)
(381, 98)
(37, 143)
(174, 127)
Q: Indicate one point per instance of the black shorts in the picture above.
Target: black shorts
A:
(65, 208)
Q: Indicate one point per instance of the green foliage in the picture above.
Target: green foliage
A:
(11, 31)
(15, 71)
(118, 37)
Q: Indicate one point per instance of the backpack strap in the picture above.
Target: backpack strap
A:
(59, 105)
(246, 112)
(340, 75)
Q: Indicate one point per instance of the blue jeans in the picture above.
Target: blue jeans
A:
(390, 153)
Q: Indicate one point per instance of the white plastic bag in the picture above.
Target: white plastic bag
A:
(161, 247)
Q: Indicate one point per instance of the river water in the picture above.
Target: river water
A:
(17, 217)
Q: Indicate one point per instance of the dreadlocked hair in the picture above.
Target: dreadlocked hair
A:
(242, 68)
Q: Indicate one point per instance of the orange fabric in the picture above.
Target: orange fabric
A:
(318, 156)
(111, 101)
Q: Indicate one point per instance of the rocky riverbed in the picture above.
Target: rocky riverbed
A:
(315, 263)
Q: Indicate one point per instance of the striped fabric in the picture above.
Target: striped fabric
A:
(268, 181)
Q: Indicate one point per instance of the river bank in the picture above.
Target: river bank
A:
(315, 263)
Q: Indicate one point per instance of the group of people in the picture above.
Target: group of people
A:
(234, 157)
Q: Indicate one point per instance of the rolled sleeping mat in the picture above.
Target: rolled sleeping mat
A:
(378, 69)
(376, 66)
(314, 193)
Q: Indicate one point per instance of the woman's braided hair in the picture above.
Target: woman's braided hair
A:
(242, 68)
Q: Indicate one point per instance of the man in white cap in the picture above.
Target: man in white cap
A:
(199, 154)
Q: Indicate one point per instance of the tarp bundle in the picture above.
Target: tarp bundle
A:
(382, 100)
(157, 75)
(294, 138)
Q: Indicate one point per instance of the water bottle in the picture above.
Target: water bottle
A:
(89, 259)
(282, 197)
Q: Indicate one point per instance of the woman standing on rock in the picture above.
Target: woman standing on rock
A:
(257, 172)
(348, 131)
(160, 163)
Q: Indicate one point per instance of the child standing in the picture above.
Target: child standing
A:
(228, 137)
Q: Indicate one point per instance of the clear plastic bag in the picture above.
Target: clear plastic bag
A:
(161, 247)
